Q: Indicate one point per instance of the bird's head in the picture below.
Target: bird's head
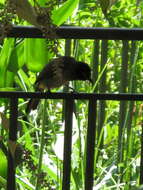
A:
(83, 71)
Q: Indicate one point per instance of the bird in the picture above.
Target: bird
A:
(59, 71)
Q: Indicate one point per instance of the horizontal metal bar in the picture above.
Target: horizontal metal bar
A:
(73, 32)
(47, 95)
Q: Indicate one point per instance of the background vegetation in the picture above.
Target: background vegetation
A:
(117, 67)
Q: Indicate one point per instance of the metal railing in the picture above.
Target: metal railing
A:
(70, 33)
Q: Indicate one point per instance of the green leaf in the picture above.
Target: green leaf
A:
(9, 79)
(2, 182)
(35, 54)
(3, 165)
(60, 15)
(2, 1)
(42, 3)
(8, 89)
(13, 62)
(5, 55)
(17, 58)
(23, 81)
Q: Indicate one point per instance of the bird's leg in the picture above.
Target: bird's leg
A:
(70, 88)
(48, 90)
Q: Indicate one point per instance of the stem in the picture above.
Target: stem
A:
(41, 146)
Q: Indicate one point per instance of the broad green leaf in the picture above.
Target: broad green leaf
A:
(60, 15)
(5, 55)
(20, 54)
(2, 1)
(17, 58)
(13, 61)
(3, 165)
(43, 2)
(8, 89)
(9, 79)
(35, 54)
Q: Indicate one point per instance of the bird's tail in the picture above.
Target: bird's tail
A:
(32, 105)
(33, 102)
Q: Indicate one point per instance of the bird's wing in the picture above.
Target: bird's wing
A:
(53, 71)
(45, 73)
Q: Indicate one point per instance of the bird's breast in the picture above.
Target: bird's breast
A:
(54, 82)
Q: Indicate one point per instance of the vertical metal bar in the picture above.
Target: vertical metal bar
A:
(123, 107)
(67, 144)
(141, 161)
(91, 134)
(67, 47)
(11, 182)
(102, 89)
(95, 63)
(66, 87)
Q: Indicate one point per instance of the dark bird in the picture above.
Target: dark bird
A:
(58, 72)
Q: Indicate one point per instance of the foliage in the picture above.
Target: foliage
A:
(117, 67)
